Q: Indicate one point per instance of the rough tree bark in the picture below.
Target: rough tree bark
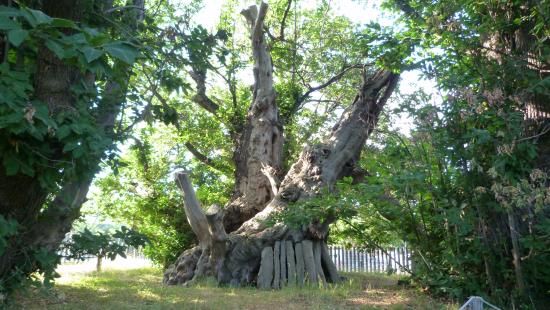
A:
(54, 79)
(261, 142)
(238, 259)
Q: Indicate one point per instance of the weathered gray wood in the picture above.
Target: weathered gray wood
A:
(317, 257)
(371, 261)
(318, 166)
(193, 211)
(365, 262)
(283, 263)
(342, 258)
(277, 265)
(379, 260)
(332, 272)
(406, 261)
(214, 217)
(290, 263)
(265, 275)
(300, 271)
(261, 138)
(309, 261)
(355, 259)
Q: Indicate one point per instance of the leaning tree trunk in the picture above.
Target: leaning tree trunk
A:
(273, 256)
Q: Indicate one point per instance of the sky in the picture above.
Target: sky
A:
(358, 11)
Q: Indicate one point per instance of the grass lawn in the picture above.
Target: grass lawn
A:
(142, 289)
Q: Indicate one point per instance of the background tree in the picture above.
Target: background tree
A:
(102, 245)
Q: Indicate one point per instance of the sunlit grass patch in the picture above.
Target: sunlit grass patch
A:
(143, 289)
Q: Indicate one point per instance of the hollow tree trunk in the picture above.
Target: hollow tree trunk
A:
(239, 254)
(258, 155)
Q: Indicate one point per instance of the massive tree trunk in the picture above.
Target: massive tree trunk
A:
(258, 156)
(53, 83)
(46, 228)
(272, 256)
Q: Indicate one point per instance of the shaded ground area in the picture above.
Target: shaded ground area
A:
(142, 289)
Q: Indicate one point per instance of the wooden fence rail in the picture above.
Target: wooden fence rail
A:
(394, 260)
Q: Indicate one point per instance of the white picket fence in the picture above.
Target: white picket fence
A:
(394, 260)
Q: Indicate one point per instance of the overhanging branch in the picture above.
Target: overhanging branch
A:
(205, 160)
(329, 82)
(199, 76)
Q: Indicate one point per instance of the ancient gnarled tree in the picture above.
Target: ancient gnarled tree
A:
(235, 244)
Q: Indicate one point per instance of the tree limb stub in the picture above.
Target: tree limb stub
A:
(263, 68)
(271, 175)
(214, 216)
(193, 211)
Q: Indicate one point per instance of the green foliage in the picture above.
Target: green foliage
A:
(465, 183)
(322, 208)
(447, 190)
(103, 245)
(8, 228)
(46, 143)
(143, 194)
(36, 142)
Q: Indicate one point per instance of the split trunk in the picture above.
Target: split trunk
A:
(236, 246)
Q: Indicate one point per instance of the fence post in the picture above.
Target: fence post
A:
(396, 262)
(354, 259)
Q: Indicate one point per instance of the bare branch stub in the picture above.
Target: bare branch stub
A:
(193, 211)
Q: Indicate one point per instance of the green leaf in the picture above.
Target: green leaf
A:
(42, 113)
(63, 131)
(57, 48)
(63, 23)
(12, 118)
(91, 53)
(17, 36)
(40, 17)
(27, 169)
(77, 128)
(75, 39)
(6, 11)
(70, 146)
(78, 152)
(122, 51)
(11, 164)
(8, 24)
(7, 227)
